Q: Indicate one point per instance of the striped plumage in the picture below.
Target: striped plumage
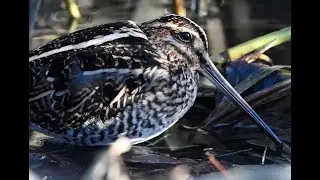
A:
(122, 79)
(91, 86)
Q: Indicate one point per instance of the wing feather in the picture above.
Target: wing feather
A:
(72, 80)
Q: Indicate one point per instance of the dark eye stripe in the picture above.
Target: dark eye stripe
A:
(203, 38)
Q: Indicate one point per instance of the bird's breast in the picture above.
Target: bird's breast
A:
(171, 94)
(164, 101)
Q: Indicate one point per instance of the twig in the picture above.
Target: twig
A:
(235, 152)
(259, 53)
(178, 7)
(217, 164)
(74, 14)
(264, 155)
(158, 140)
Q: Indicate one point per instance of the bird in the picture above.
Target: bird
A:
(94, 85)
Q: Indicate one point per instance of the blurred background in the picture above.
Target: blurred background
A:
(227, 22)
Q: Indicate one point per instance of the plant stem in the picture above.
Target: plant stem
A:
(277, 38)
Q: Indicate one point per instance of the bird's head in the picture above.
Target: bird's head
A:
(184, 43)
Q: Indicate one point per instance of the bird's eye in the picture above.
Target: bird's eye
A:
(184, 36)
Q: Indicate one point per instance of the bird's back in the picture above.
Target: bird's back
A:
(75, 78)
(91, 86)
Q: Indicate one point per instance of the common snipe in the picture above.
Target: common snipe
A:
(91, 86)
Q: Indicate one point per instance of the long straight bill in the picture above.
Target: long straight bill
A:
(213, 74)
